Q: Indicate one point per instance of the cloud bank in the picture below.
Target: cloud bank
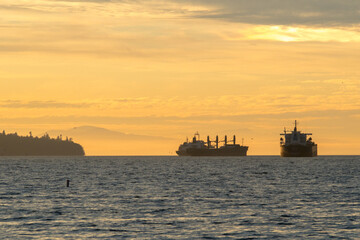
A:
(284, 12)
(264, 12)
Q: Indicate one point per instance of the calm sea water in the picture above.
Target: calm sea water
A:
(180, 198)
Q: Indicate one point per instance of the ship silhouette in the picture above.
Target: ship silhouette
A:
(297, 144)
(198, 147)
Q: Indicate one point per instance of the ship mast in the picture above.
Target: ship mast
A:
(197, 134)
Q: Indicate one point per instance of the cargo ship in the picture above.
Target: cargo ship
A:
(199, 147)
(297, 144)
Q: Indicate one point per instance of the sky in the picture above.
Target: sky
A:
(171, 68)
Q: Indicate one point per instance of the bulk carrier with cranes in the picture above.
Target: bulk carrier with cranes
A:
(198, 147)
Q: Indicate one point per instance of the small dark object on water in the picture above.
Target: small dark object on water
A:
(67, 183)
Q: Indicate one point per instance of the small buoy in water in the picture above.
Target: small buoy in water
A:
(67, 183)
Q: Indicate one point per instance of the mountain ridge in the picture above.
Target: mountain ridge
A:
(104, 133)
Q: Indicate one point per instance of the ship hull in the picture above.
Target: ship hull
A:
(240, 151)
(298, 150)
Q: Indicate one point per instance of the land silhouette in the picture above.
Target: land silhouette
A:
(14, 145)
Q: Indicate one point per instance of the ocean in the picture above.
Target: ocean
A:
(265, 197)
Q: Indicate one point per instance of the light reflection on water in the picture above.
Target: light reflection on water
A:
(180, 198)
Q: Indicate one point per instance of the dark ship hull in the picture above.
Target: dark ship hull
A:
(223, 151)
(298, 150)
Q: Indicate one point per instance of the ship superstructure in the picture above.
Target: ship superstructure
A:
(297, 144)
(198, 147)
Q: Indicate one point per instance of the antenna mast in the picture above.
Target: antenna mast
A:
(198, 135)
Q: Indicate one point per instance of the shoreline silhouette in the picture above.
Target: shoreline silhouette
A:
(14, 145)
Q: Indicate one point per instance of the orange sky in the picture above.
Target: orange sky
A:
(171, 68)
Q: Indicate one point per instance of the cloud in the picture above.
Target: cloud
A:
(167, 108)
(179, 121)
(263, 12)
(284, 12)
(41, 104)
(137, 29)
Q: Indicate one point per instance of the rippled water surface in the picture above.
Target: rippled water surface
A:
(180, 198)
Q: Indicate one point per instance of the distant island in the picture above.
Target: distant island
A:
(14, 145)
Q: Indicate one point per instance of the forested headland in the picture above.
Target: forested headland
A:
(14, 145)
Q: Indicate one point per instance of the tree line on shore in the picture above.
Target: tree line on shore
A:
(14, 145)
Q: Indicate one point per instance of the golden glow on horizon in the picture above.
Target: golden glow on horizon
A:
(302, 34)
(163, 68)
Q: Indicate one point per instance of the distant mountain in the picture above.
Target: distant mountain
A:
(102, 141)
(92, 132)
